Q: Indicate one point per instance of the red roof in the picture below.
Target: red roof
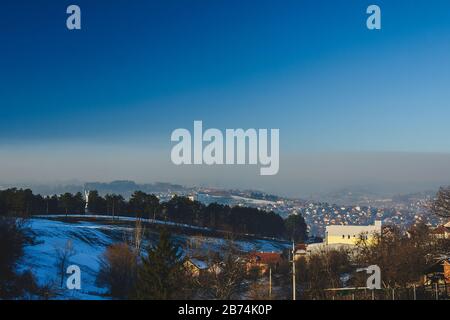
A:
(440, 230)
(266, 257)
(300, 246)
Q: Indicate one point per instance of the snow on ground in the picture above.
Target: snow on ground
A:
(90, 240)
(51, 236)
(253, 201)
(129, 219)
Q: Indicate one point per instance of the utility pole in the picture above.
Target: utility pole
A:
(270, 283)
(293, 271)
(437, 291)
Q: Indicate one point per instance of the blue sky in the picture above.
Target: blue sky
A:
(139, 69)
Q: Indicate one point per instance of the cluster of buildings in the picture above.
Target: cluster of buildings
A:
(442, 231)
(336, 236)
(401, 211)
(262, 261)
(259, 262)
(338, 226)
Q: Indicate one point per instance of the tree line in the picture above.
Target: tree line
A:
(242, 220)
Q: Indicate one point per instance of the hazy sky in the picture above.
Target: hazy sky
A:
(353, 106)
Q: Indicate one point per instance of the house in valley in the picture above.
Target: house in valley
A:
(263, 261)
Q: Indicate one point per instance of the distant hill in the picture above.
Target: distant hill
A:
(122, 187)
(126, 187)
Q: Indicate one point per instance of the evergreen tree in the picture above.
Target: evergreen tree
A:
(296, 228)
(161, 275)
(97, 204)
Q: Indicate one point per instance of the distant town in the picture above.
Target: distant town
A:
(347, 208)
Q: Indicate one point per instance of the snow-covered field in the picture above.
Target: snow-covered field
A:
(90, 239)
(254, 201)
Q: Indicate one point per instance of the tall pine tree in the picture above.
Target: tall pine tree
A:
(161, 275)
(296, 228)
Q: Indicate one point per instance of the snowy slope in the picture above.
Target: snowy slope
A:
(89, 243)
(89, 240)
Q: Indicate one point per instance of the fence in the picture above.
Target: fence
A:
(428, 292)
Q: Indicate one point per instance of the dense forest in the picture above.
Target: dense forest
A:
(243, 220)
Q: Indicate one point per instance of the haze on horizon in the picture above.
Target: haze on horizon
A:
(385, 173)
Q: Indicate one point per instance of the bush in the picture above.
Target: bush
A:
(13, 237)
(118, 270)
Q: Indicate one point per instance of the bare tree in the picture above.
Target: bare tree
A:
(119, 263)
(441, 206)
(135, 239)
(320, 271)
(63, 255)
(403, 258)
(225, 278)
(138, 236)
(259, 290)
(118, 270)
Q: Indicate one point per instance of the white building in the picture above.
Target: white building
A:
(350, 234)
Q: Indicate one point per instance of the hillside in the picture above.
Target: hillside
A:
(91, 235)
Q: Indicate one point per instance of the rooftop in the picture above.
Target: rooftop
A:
(266, 257)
